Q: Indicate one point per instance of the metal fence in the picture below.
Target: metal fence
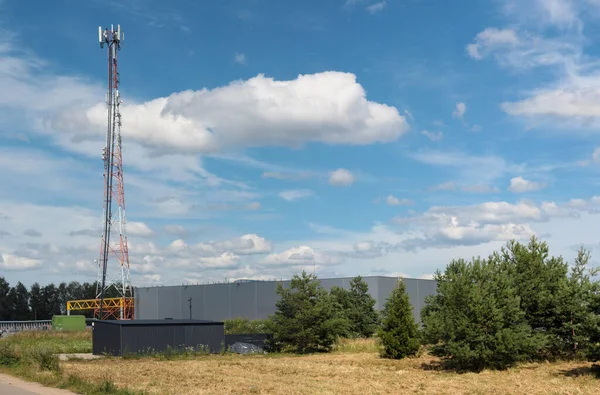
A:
(17, 326)
(254, 299)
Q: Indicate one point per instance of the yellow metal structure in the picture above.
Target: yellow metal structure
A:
(113, 308)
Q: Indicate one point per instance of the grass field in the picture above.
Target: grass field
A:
(58, 342)
(353, 368)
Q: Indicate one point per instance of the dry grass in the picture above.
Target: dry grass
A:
(342, 372)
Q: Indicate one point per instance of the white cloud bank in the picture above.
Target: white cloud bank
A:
(329, 107)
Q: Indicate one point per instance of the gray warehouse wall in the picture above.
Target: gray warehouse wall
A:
(254, 299)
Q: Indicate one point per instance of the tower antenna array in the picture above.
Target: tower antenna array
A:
(113, 276)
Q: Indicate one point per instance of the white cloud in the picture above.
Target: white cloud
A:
(391, 200)
(374, 8)
(302, 256)
(239, 58)
(295, 194)
(329, 107)
(432, 135)
(563, 14)
(139, 229)
(461, 108)
(491, 38)
(341, 178)
(248, 244)
(16, 263)
(476, 224)
(521, 185)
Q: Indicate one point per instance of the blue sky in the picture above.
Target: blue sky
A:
(263, 137)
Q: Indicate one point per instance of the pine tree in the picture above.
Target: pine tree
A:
(398, 334)
(475, 320)
(305, 320)
(362, 315)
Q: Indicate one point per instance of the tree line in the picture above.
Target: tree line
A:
(18, 303)
(519, 304)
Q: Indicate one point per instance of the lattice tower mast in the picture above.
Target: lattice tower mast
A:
(114, 234)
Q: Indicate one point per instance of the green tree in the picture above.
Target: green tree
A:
(36, 303)
(5, 308)
(542, 284)
(398, 333)
(358, 306)
(475, 320)
(19, 302)
(306, 320)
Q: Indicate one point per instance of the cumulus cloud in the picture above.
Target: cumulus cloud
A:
(442, 226)
(341, 178)
(16, 263)
(329, 107)
(521, 185)
(461, 108)
(302, 256)
(139, 229)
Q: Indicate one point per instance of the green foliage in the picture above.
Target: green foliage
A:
(240, 326)
(358, 307)
(306, 319)
(475, 320)
(8, 355)
(519, 304)
(542, 283)
(398, 334)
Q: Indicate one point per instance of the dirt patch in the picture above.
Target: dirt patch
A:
(15, 386)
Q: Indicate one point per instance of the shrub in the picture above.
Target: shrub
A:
(8, 356)
(306, 320)
(398, 334)
(44, 358)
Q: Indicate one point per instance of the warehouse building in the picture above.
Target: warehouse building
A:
(254, 299)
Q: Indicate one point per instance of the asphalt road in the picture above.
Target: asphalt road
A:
(13, 386)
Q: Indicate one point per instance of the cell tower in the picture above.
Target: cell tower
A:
(113, 274)
(114, 295)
